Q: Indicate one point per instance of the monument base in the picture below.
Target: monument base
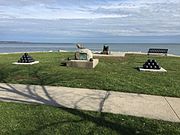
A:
(153, 70)
(32, 63)
(82, 63)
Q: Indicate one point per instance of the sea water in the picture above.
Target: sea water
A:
(118, 47)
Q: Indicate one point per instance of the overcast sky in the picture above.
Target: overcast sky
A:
(90, 20)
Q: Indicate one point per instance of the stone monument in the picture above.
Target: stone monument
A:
(83, 58)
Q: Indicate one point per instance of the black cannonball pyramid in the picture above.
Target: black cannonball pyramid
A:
(26, 59)
(151, 64)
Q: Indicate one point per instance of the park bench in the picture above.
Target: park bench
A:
(157, 50)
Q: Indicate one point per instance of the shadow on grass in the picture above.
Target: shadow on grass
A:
(137, 68)
(3, 75)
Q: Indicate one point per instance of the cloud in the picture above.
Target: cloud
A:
(53, 9)
(25, 2)
(90, 19)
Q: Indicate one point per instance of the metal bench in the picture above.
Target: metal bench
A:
(156, 50)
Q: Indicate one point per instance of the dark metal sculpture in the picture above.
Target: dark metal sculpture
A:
(105, 49)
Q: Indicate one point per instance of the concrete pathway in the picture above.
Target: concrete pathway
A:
(155, 107)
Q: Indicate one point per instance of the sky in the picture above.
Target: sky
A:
(71, 21)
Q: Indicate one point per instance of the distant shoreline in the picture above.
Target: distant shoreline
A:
(113, 53)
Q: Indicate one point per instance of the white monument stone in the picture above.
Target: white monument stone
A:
(83, 58)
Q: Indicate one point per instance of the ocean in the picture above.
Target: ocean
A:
(117, 47)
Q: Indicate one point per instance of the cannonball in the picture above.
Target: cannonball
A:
(158, 67)
(154, 61)
(148, 60)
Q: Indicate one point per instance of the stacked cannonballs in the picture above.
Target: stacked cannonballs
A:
(26, 59)
(151, 64)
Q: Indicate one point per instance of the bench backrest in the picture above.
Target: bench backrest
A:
(156, 50)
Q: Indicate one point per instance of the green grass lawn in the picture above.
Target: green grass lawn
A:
(20, 119)
(117, 74)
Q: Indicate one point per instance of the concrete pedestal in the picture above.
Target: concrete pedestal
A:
(153, 70)
(32, 63)
(82, 63)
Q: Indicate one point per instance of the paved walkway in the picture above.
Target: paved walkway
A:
(156, 107)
